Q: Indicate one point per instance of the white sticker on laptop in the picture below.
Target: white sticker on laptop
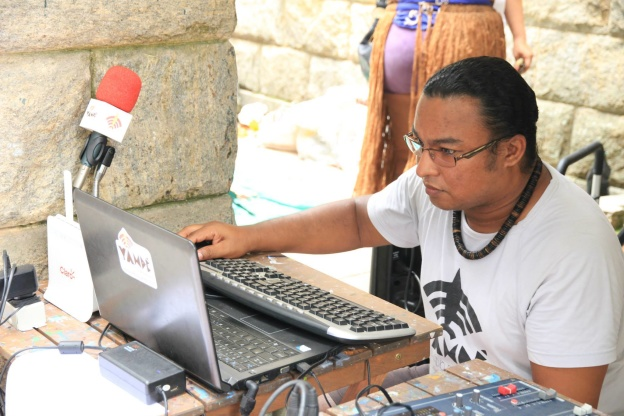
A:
(135, 260)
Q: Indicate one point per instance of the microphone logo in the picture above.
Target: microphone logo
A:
(114, 122)
(106, 120)
(91, 111)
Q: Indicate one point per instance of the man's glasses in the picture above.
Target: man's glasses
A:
(443, 157)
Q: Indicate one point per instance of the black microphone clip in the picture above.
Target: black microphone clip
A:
(91, 155)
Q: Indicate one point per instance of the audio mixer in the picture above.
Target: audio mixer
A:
(506, 397)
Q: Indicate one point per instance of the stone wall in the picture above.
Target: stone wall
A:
(294, 50)
(176, 162)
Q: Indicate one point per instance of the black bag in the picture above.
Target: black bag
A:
(365, 46)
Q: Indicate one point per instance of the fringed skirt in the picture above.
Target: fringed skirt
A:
(460, 31)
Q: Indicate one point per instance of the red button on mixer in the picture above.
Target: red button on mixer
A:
(507, 390)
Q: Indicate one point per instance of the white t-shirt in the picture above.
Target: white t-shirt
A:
(552, 292)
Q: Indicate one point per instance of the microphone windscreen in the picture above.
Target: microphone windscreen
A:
(120, 87)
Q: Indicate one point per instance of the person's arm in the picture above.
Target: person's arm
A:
(580, 384)
(521, 49)
(330, 228)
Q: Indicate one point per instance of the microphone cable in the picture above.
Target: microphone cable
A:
(5, 293)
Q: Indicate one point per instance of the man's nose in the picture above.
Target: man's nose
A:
(426, 166)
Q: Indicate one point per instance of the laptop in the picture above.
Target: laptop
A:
(147, 282)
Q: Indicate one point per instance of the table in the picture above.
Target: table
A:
(350, 368)
(470, 374)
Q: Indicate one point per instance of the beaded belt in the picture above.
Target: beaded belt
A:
(407, 14)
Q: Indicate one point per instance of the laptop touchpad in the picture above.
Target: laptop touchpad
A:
(261, 324)
(250, 316)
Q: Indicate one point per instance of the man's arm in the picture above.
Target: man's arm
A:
(581, 384)
(330, 228)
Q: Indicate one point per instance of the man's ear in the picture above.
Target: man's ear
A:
(514, 150)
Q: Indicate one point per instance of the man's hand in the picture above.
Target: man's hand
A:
(228, 241)
(581, 384)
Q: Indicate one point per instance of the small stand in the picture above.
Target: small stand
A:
(30, 313)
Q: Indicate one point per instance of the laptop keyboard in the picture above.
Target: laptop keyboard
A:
(299, 303)
(241, 347)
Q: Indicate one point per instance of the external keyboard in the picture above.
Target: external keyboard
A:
(300, 304)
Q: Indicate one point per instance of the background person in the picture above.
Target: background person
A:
(401, 63)
(520, 266)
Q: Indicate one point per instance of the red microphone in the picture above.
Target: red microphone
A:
(120, 87)
(107, 116)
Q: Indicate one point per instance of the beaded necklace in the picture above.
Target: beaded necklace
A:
(511, 220)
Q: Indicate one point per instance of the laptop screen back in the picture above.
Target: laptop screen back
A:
(147, 283)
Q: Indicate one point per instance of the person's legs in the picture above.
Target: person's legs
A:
(405, 374)
(397, 152)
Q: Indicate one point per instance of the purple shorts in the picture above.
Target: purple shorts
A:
(399, 59)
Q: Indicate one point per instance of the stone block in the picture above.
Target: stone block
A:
(27, 245)
(326, 73)
(182, 140)
(284, 73)
(30, 25)
(564, 14)
(248, 63)
(362, 18)
(43, 98)
(616, 16)
(176, 215)
(181, 143)
(591, 125)
(258, 20)
(317, 27)
(554, 129)
(579, 69)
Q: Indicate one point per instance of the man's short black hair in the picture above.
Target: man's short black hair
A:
(508, 103)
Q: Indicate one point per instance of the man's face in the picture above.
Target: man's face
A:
(456, 124)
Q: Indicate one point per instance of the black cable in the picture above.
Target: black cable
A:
(332, 352)
(321, 387)
(366, 390)
(164, 396)
(10, 316)
(408, 282)
(248, 402)
(106, 328)
(391, 405)
(299, 384)
(309, 370)
(5, 290)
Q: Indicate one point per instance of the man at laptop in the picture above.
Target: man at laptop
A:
(520, 266)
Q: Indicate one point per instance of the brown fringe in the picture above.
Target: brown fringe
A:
(461, 31)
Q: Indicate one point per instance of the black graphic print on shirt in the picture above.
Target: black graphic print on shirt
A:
(457, 318)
